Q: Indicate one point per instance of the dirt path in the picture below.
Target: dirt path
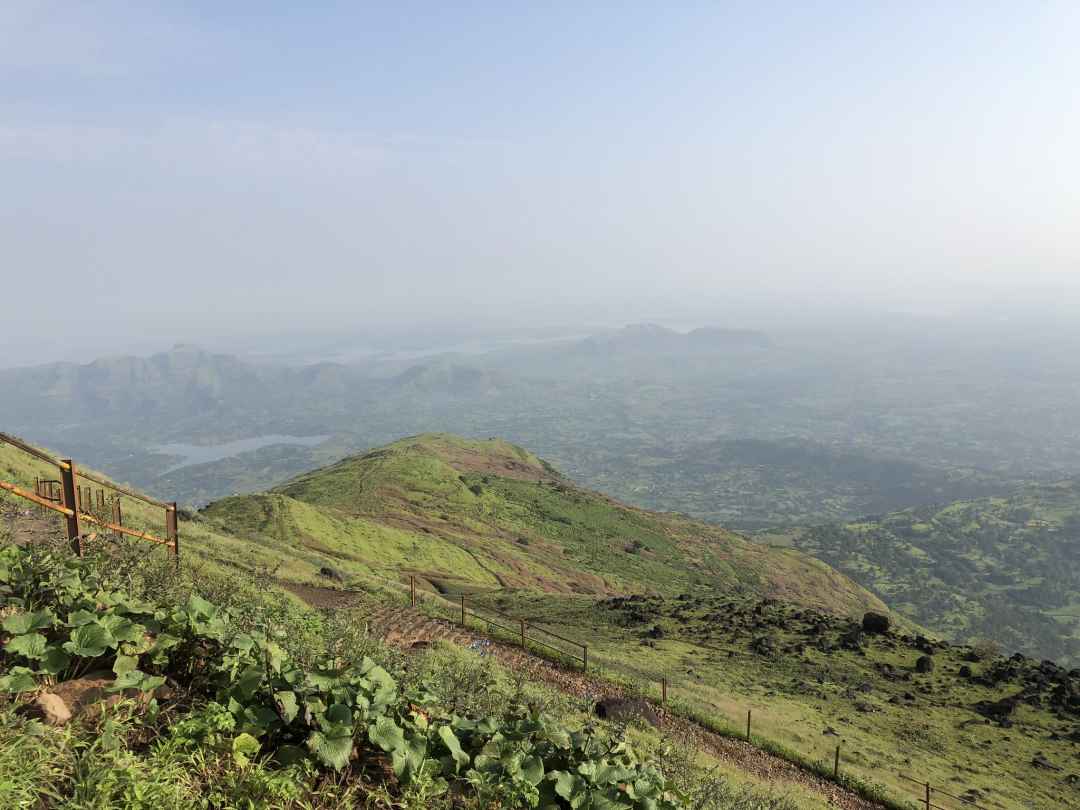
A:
(410, 629)
(29, 524)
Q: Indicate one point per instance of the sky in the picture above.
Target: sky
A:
(174, 170)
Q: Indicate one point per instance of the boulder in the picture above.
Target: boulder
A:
(52, 709)
(875, 623)
(852, 639)
(998, 710)
(763, 645)
(1040, 761)
(626, 710)
(925, 664)
(84, 696)
(331, 573)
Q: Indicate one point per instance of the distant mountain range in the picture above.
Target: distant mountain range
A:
(648, 337)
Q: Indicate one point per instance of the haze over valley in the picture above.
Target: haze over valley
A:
(414, 406)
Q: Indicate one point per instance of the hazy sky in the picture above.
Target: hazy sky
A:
(169, 168)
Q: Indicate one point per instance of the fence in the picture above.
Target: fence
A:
(75, 502)
(68, 496)
(927, 791)
(519, 629)
(657, 688)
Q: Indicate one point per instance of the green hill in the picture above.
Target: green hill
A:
(1006, 569)
(730, 625)
(464, 514)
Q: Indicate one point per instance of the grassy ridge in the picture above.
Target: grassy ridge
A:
(478, 514)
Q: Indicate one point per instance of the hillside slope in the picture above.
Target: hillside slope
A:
(464, 515)
(1003, 568)
(1001, 731)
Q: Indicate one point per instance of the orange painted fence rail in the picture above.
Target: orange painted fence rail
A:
(75, 502)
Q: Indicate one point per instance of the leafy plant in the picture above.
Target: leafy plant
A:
(261, 705)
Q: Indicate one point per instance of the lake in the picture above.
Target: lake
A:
(205, 453)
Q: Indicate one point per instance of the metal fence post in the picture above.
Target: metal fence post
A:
(522, 633)
(67, 483)
(836, 764)
(663, 691)
(117, 515)
(584, 657)
(463, 610)
(748, 724)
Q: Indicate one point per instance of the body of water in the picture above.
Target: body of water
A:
(205, 453)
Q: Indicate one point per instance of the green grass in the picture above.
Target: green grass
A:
(1004, 568)
(549, 551)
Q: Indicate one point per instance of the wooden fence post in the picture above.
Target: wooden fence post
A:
(836, 765)
(171, 534)
(663, 691)
(584, 657)
(412, 590)
(463, 610)
(522, 633)
(748, 725)
(928, 805)
(67, 483)
(101, 499)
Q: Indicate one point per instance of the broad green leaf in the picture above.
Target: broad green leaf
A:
(275, 656)
(450, 740)
(339, 714)
(29, 645)
(122, 628)
(287, 705)
(408, 759)
(131, 679)
(125, 663)
(570, 786)
(608, 773)
(244, 746)
(152, 682)
(162, 644)
(332, 747)
(607, 799)
(386, 734)
(55, 660)
(324, 679)
(532, 770)
(259, 719)
(248, 683)
(20, 623)
(20, 679)
(558, 737)
(81, 617)
(89, 641)
(200, 608)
